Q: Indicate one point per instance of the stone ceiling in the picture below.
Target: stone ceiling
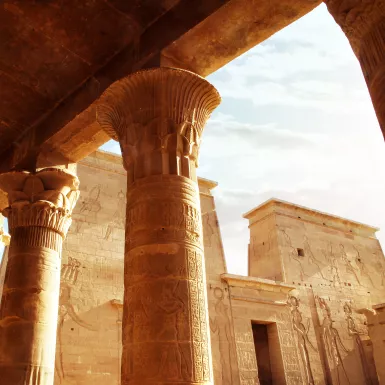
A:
(56, 60)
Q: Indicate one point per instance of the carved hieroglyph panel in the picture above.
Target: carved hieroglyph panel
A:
(223, 346)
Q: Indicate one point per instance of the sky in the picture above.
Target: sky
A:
(296, 123)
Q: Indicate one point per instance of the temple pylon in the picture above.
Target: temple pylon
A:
(363, 22)
(158, 116)
(39, 216)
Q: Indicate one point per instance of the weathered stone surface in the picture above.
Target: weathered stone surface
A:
(57, 59)
(158, 116)
(376, 328)
(39, 215)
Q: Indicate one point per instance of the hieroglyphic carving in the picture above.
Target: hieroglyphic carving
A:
(69, 277)
(311, 258)
(349, 266)
(119, 216)
(292, 252)
(39, 216)
(302, 338)
(220, 326)
(355, 334)
(208, 230)
(362, 267)
(91, 203)
(333, 344)
(246, 355)
(333, 265)
(158, 116)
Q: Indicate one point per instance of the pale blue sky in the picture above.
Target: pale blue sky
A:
(296, 123)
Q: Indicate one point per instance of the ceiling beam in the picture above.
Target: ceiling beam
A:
(23, 154)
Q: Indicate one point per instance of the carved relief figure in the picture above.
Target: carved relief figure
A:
(293, 252)
(118, 220)
(303, 338)
(312, 259)
(349, 267)
(333, 344)
(92, 202)
(208, 230)
(221, 325)
(333, 265)
(173, 364)
(69, 277)
(362, 267)
(355, 334)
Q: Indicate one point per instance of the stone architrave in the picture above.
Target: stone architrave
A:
(39, 215)
(363, 22)
(158, 116)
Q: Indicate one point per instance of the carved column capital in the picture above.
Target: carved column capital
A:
(44, 199)
(158, 116)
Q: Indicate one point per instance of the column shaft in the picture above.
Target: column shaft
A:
(158, 117)
(38, 217)
(165, 337)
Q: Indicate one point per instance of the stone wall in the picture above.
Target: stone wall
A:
(89, 327)
(337, 268)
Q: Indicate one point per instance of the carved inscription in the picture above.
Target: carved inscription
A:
(355, 334)
(333, 345)
(69, 278)
(220, 326)
(302, 338)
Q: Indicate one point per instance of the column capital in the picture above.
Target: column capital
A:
(357, 18)
(158, 116)
(42, 199)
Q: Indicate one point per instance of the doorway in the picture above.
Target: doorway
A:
(268, 354)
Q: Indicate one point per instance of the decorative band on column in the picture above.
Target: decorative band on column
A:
(40, 214)
(163, 208)
(37, 237)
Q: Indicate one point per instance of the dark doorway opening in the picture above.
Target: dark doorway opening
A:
(262, 351)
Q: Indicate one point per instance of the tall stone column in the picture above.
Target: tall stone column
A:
(39, 215)
(363, 22)
(158, 117)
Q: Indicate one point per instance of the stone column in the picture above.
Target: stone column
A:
(39, 215)
(363, 22)
(158, 117)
